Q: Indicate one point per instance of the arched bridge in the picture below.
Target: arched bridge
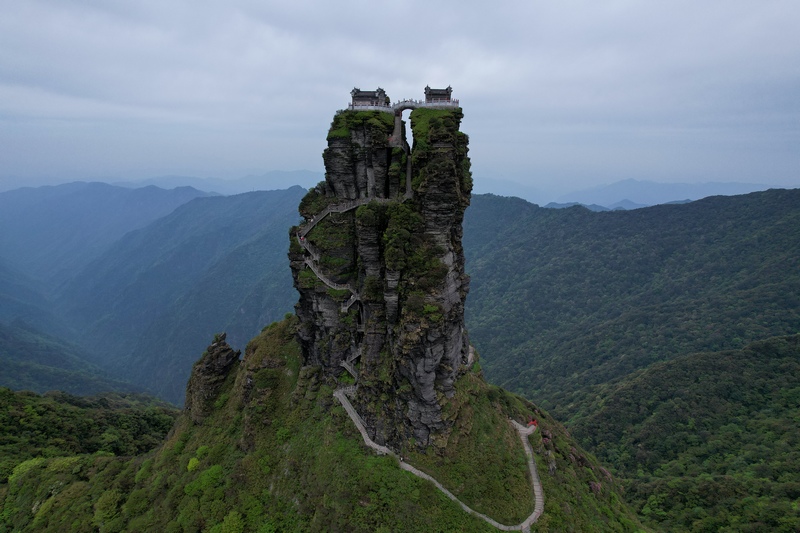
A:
(402, 105)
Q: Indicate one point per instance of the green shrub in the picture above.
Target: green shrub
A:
(207, 480)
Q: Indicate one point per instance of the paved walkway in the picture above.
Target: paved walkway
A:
(538, 493)
(341, 395)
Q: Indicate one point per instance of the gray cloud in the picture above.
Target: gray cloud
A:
(553, 93)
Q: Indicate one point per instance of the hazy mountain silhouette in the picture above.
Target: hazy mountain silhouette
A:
(269, 181)
(50, 232)
(643, 193)
(148, 305)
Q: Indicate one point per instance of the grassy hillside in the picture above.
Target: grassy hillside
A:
(564, 299)
(707, 441)
(276, 452)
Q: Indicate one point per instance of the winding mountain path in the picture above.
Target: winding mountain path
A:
(342, 207)
(524, 432)
(342, 393)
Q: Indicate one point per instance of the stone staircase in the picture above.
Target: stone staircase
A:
(350, 368)
(327, 281)
(315, 255)
(341, 207)
(353, 299)
(538, 493)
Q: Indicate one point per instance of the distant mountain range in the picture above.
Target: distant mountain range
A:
(127, 286)
(573, 308)
(32, 360)
(625, 194)
(561, 299)
(150, 303)
(269, 181)
(136, 280)
(51, 232)
(632, 194)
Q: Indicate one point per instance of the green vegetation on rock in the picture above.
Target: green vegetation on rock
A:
(437, 131)
(280, 454)
(346, 121)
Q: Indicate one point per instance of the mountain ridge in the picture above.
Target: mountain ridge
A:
(51, 231)
(141, 280)
(666, 263)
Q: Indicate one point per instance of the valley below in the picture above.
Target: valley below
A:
(664, 339)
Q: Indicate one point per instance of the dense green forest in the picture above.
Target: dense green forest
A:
(707, 441)
(599, 317)
(33, 427)
(275, 451)
(564, 299)
(37, 362)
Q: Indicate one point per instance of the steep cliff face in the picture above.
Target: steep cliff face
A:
(208, 376)
(380, 269)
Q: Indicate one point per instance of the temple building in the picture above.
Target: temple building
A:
(437, 95)
(369, 98)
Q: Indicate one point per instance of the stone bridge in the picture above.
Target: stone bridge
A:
(402, 105)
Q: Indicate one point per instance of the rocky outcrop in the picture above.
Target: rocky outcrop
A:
(398, 324)
(208, 375)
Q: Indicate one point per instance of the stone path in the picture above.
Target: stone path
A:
(538, 493)
(341, 395)
(342, 207)
(330, 283)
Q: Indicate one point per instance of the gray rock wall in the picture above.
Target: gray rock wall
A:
(405, 334)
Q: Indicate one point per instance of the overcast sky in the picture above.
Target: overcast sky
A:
(560, 94)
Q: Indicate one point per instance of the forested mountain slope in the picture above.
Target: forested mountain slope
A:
(145, 306)
(21, 298)
(50, 232)
(707, 441)
(264, 446)
(32, 360)
(58, 424)
(564, 299)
